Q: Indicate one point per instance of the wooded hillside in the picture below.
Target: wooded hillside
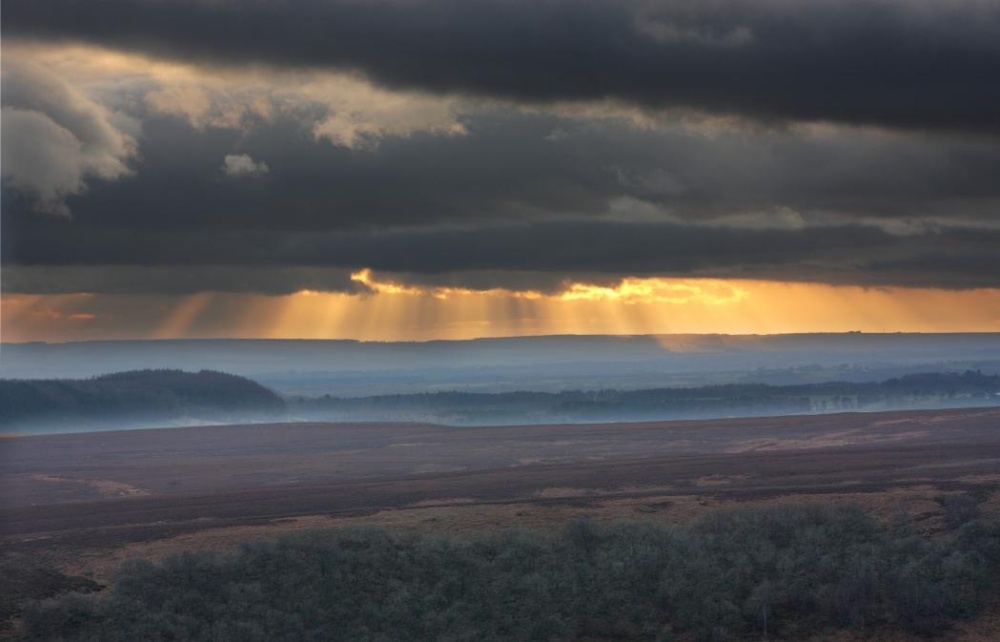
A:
(142, 395)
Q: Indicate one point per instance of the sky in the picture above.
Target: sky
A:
(420, 169)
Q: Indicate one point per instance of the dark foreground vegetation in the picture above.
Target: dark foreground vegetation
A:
(790, 571)
(928, 390)
(137, 396)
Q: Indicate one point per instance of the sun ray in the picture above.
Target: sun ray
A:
(390, 310)
(183, 316)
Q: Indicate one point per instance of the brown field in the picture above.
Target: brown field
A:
(89, 499)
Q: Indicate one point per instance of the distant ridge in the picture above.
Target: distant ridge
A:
(549, 363)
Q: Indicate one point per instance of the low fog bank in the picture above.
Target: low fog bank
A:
(166, 398)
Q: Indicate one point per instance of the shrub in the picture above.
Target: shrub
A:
(788, 570)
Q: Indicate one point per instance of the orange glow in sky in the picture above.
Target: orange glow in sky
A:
(392, 311)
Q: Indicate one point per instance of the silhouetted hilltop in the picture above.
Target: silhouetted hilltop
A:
(142, 395)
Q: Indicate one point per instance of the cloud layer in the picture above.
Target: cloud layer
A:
(892, 62)
(271, 147)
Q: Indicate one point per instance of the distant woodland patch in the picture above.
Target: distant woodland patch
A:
(788, 571)
(141, 395)
(928, 390)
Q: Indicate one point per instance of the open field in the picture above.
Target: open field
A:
(86, 502)
(112, 489)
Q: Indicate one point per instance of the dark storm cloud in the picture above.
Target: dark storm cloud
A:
(508, 205)
(175, 279)
(899, 63)
(507, 168)
(267, 280)
(512, 253)
(504, 169)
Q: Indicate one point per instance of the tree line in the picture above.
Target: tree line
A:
(968, 388)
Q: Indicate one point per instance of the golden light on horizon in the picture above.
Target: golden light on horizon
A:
(381, 286)
(657, 290)
(389, 310)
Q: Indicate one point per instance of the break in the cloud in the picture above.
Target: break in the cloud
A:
(901, 63)
(242, 166)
